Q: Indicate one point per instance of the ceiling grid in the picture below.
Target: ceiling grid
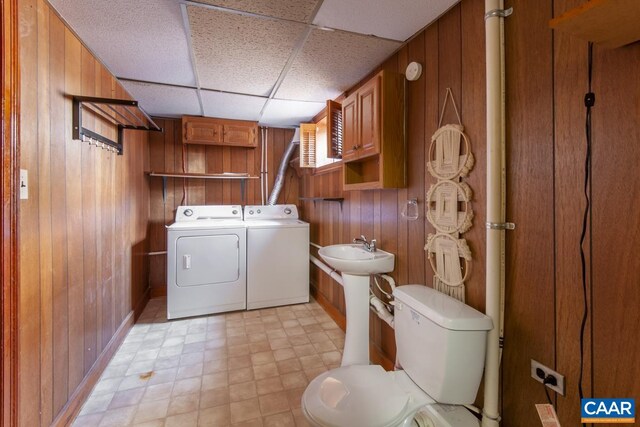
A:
(273, 61)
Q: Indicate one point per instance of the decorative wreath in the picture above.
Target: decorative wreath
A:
(465, 161)
(449, 192)
(463, 251)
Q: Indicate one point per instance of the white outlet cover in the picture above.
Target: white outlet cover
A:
(559, 388)
(24, 184)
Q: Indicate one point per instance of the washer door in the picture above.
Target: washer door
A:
(207, 260)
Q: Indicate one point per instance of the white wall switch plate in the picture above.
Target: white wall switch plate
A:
(559, 388)
(24, 184)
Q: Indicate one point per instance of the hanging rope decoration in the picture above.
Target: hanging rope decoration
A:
(443, 212)
(448, 204)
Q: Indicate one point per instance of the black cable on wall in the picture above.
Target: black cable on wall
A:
(589, 102)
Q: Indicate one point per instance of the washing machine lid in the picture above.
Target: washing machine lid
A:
(357, 395)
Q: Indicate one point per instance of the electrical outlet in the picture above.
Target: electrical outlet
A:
(559, 387)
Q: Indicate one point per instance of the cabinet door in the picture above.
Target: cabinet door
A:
(350, 127)
(202, 132)
(369, 123)
(240, 135)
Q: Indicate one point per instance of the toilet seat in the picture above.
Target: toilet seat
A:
(361, 395)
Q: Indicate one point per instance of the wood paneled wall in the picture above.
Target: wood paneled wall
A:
(442, 49)
(167, 153)
(82, 230)
(546, 83)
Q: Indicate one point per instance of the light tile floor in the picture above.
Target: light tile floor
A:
(246, 368)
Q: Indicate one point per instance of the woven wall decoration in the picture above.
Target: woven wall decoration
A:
(448, 205)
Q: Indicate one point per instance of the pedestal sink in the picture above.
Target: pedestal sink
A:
(356, 265)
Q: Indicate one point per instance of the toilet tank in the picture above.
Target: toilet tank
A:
(440, 343)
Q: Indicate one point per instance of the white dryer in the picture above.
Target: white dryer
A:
(277, 256)
(206, 261)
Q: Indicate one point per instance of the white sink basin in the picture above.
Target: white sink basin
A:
(354, 259)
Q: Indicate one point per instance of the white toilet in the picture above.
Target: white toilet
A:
(440, 346)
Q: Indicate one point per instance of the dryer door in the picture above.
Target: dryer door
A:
(207, 260)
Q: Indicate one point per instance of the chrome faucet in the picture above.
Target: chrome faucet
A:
(369, 246)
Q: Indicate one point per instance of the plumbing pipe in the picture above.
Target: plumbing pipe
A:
(262, 165)
(282, 169)
(494, 34)
(315, 245)
(330, 271)
(381, 310)
(266, 163)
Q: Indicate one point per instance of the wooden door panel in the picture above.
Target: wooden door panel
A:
(369, 110)
(240, 135)
(350, 128)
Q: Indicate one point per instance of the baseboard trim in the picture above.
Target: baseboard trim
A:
(139, 308)
(71, 409)
(158, 292)
(376, 355)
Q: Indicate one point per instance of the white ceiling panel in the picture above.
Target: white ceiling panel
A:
(392, 19)
(289, 113)
(295, 10)
(162, 100)
(141, 40)
(331, 62)
(231, 106)
(241, 54)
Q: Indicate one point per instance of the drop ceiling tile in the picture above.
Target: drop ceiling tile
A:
(231, 106)
(283, 113)
(295, 10)
(240, 54)
(141, 40)
(331, 62)
(162, 100)
(392, 19)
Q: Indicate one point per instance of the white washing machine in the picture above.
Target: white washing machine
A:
(277, 256)
(206, 261)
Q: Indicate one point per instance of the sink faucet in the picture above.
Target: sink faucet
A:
(369, 246)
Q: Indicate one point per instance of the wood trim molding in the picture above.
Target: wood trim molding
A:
(73, 406)
(376, 355)
(10, 68)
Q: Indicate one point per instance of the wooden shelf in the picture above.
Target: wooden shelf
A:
(123, 113)
(242, 177)
(609, 23)
(322, 199)
(226, 175)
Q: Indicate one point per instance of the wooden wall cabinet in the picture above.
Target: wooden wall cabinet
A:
(211, 131)
(373, 134)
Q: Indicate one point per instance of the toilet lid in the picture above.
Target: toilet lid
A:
(358, 395)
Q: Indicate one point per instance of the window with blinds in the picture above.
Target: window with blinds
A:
(307, 145)
(334, 130)
(321, 142)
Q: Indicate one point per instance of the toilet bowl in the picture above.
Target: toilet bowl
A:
(369, 396)
(441, 344)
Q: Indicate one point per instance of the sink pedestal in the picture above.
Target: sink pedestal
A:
(356, 340)
(356, 265)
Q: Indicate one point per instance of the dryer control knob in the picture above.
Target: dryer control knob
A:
(287, 211)
(250, 212)
(259, 211)
(188, 212)
(234, 212)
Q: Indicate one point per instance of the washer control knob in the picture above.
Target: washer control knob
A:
(235, 211)
(250, 212)
(188, 212)
(287, 211)
(259, 211)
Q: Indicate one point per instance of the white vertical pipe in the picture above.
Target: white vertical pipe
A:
(262, 165)
(495, 215)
